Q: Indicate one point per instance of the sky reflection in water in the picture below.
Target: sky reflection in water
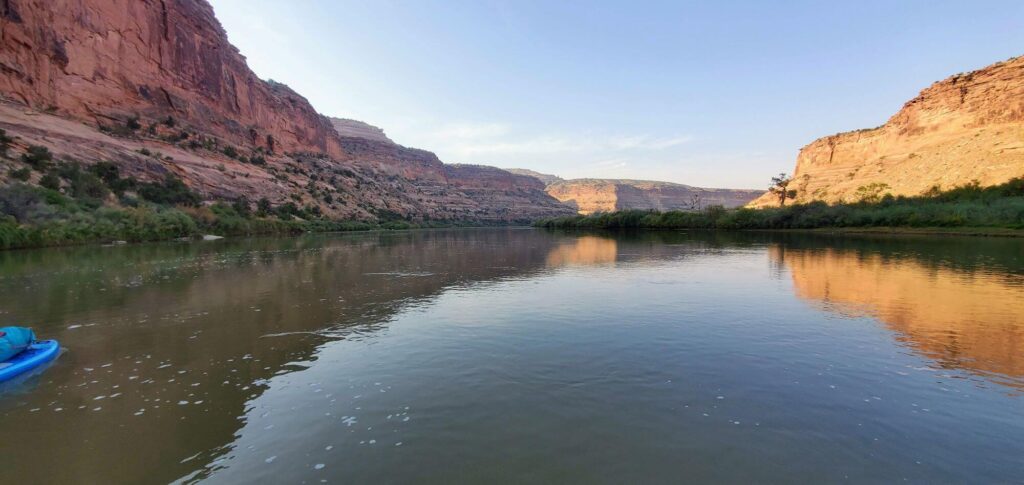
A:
(521, 355)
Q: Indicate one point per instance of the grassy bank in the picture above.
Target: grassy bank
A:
(55, 203)
(966, 209)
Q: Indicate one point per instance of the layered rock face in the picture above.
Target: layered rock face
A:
(105, 60)
(967, 127)
(359, 129)
(607, 195)
(451, 192)
(104, 79)
(503, 195)
(548, 179)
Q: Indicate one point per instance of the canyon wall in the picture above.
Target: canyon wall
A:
(104, 61)
(548, 179)
(359, 129)
(967, 127)
(608, 195)
(122, 80)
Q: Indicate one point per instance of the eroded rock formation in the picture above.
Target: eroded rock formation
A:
(103, 61)
(967, 127)
(359, 129)
(608, 195)
(115, 79)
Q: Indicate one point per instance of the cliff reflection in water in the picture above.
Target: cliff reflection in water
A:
(583, 250)
(963, 318)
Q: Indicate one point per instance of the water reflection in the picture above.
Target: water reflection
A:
(171, 333)
(964, 318)
(583, 250)
(176, 348)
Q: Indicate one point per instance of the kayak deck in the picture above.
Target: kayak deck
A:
(35, 355)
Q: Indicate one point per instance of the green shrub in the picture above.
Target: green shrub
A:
(51, 181)
(87, 185)
(110, 174)
(5, 142)
(21, 174)
(18, 201)
(132, 123)
(263, 207)
(241, 207)
(287, 211)
(37, 157)
(171, 191)
(107, 171)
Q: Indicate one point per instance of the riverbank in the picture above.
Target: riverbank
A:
(95, 205)
(965, 210)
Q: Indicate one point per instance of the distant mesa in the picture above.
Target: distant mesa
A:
(968, 127)
(548, 179)
(588, 196)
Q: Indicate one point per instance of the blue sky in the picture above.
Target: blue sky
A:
(716, 94)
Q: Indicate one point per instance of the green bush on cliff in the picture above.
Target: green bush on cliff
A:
(170, 191)
(70, 209)
(37, 157)
(5, 142)
(21, 174)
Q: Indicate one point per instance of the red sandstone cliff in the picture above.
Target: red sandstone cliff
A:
(105, 60)
(76, 75)
(966, 127)
(359, 129)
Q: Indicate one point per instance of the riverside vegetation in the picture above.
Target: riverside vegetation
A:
(72, 204)
(49, 202)
(968, 206)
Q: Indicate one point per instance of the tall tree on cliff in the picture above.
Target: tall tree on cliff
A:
(780, 187)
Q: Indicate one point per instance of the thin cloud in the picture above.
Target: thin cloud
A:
(463, 131)
(496, 139)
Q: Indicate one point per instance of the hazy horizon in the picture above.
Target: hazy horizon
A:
(719, 95)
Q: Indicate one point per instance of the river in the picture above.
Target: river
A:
(517, 355)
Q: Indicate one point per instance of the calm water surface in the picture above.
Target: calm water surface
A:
(521, 356)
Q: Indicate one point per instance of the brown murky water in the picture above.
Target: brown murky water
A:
(518, 355)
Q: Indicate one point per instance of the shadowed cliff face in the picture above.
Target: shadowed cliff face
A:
(75, 75)
(967, 127)
(967, 319)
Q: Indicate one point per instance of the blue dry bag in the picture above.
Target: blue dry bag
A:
(13, 340)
